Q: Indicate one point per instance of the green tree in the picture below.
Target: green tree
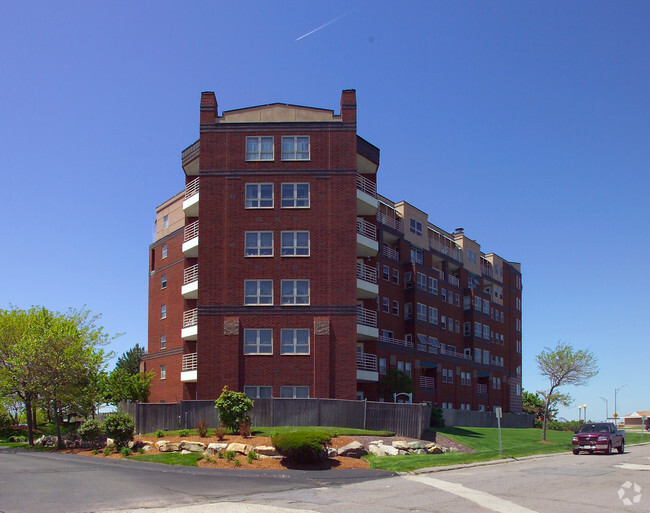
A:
(233, 408)
(130, 361)
(122, 386)
(534, 404)
(394, 382)
(563, 366)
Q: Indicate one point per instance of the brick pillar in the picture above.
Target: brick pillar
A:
(321, 352)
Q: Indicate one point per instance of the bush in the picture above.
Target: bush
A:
(107, 451)
(220, 433)
(202, 428)
(252, 455)
(554, 425)
(233, 408)
(120, 427)
(437, 419)
(184, 432)
(160, 433)
(230, 455)
(91, 433)
(125, 451)
(302, 446)
(245, 428)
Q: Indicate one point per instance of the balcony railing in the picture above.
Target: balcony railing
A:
(366, 317)
(453, 280)
(366, 229)
(367, 273)
(191, 231)
(367, 186)
(367, 362)
(481, 389)
(486, 270)
(454, 253)
(392, 222)
(496, 361)
(191, 274)
(190, 318)
(396, 341)
(427, 382)
(390, 253)
(189, 362)
(190, 150)
(192, 188)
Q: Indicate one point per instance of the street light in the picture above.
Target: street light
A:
(585, 408)
(606, 407)
(579, 416)
(616, 391)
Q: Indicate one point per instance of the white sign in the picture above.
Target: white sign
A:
(498, 412)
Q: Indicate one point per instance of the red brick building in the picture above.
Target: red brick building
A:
(306, 283)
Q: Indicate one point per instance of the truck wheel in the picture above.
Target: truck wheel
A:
(609, 448)
(621, 448)
(576, 451)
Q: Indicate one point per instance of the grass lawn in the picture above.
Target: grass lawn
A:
(268, 431)
(170, 458)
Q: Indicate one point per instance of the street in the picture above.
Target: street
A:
(567, 483)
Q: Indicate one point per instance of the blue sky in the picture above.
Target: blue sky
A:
(528, 124)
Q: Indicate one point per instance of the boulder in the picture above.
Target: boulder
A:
(240, 448)
(401, 444)
(332, 453)
(110, 442)
(418, 444)
(353, 450)
(376, 442)
(184, 451)
(146, 448)
(186, 445)
(265, 450)
(389, 450)
(214, 448)
(166, 446)
(436, 449)
(420, 451)
(47, 441)
(376, 450)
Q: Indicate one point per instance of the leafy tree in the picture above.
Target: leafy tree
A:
(119, 386)
(130, 361)
(120, 427)
(563, 366)
(233, 408)
(534, 404)
(395, 382)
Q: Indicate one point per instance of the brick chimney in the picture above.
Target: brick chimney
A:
(209, 107)
(349, 106)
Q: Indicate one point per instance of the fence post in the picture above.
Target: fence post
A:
(365, 412)
(272, 411)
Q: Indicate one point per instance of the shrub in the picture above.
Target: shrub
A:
(95, 451)
(230, 455)
(160, 433)
(437, 419)
(252, 455)
(107, 451)
(125, 451)
(245, 427)
(120, 427)
(202, 428)
(233, 408)
(236, 463)
(554, 425)
(184, 432)
(302, 446)
(220, 433)
(220, 455)
(91, 433)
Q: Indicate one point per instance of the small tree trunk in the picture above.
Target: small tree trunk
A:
(548, 399)
(28, 414)
(57, 418)
(35, 421)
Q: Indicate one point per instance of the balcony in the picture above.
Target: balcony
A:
(366, 238)
(428, 382)
(191, 201)
(366, 281)
(367, 367)
(393, 254)
(191, 240)
(395, 341)
(366, 197)
(446, 249)
(453, 280)
(392, 222)
(190, 159)
(190, 325)
(188, 370)
(481, 389)
(190, 288)
(366, 324)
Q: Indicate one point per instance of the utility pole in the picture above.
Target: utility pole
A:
(606, 407)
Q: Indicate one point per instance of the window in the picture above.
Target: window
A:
(400, 366)
(433, 285)
(163, 372)
(258, 392)
(295, 292)
(258, 292)
(457, 299)
(518, 324)
(518, 303)
(259, 244)
(395, 307)
(396, 276)
(408, 340)
(295, 148)
(163, 312)
(422, 312)
(443, 322)
(486, 357)
(481, 407)
(443, 295)
(496, 383)
(259, 195)
(477, 355)
(466, 378)
(408, 279)
(447, 375)
(386, 304)
(467, 329)
(415, 227)
(295, 244)
(163, 281)
(385, 272)
(165, 221)
(295, 195)
(382, 366)
(478, 329)
(295, 341)
(518, 345)
(501, 339)
(259, 341)
(486, 332)
(164, 251)
(259, 148)
(408, 311)
(519, 370)
(423, 341)
(450, 324)
(471, 256)
(163, 341)
(486, 306)
(457, 327)
(433, 315)
(421, 281)
(416, 256)
(517, 389)
(450, 298)
(407, 369)
(501, 316)
(478, 304)
(491, 313)
(294, 392)
(467, 303)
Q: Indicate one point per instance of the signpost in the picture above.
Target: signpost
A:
(498, 413)
(643, 419)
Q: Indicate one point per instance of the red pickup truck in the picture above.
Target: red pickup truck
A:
(601, 436)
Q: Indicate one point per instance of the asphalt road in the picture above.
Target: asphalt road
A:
(559, 483)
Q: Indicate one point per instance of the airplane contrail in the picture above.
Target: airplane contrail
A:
(322, 26)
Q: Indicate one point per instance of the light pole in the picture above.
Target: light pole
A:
(579, 416)
(585, 408)
(616, 391)
(606, 407)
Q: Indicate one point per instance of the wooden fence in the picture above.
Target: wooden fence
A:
(468, 418)
(409, 420)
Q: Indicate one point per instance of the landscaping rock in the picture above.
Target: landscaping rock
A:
(353, 450)
(418, 444)
(110, 442)
(376, 450)
(186, 445)
(146, 448)
(376, 442)
(167, 446)
(401, 444)
(184, 451)
(265, 450)
(435, 450)
(332, 452)
(389, 450)
(46, 441)
(214, 448)
(240, 448)
(420, 451)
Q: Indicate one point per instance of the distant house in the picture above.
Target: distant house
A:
(634, 419)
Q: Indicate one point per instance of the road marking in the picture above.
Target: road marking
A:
(633, 466)
(481, 498)
(221, 507)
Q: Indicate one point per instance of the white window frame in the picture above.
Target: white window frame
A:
(163, 372)
(421, 282)
(163, 341)
(257, 249)
(396, 276)
(292, 200)
(254, 201)
(415, 227)
(294, 249)
(417, 256)
(291, 392)
(433, 315)
(163, 251)
(165, 221)
(257, 391)
(443, 295)
(385, 272)
(385, 304)
(408, 311)
(421, 313)
(382, 366)
(258, 299)
(293, 153)
(395, 307)
(259, 155)
(433, 285)
(291, 341)
(293, 298)
(408, 369)
(163, 311)
(256, 346)
(163, 281)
